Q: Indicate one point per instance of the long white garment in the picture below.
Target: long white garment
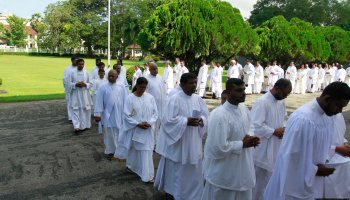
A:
(122, 72)
(180, 146)
(233, 72)
(306, 143)
(266, 78)
(274, 71)
(138, 144)
(291, 75)
(156, 88)
(94, 73)
(145, 72)
(312, 80)
(320, 79)
(215, 78)
(268, 114)
(347, 77)
(300, 86)
(66, 85)
(177, 74)
(240, 70)
(81, 101)
(336, 185)
(280, 72)
(110, 100)
(202, 80)
(183, 70)
(248, 78)
(340, 75)
(223, 152)
(221, 72)
(95, 86)
(137, 74)
(174, 91)
(329, 76)
(168, 79)
(335, 69)
(258, 79)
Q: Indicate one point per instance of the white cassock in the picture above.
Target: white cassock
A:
(202, 80)
(177, 74)
(110, 100)
(266, 78)
(122, 72)
(300, 85)
(183, 70)
(180, 146)
(174, 91)
(335, 69)
(233, 72)
(81, 102)
(228, 167)
(66, 85)
(306, 143)
(291, 75)
(267, 114)
(168, 79)
(258, 79)
(215, 77)
(320, 79)
(336, 185)
(280, 72)
(221, 72)
(156, 88)
(136, 75)
(329, 76)
(340, 75)
(274, 71)
(94, 73)
(145, 72)
(136, 144)
(123, 82)
(248, 79)
(312, 80)
(240, 70)
(347, 77)
(96, 83)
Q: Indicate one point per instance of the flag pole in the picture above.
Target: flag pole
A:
(109, 33)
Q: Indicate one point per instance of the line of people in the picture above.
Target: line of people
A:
(242, 158)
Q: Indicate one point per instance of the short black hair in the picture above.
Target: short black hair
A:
(225, 92)
(101, 70)
(80, 60)
(337, 91)
(233, 81)
(282, 83)
(98, 59)
(74, 57)
(101, 63)
(186, 77)
(140, 81)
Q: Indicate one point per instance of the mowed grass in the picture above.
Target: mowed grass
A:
(29, 78)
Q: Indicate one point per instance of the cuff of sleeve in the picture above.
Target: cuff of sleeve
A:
(97, 114)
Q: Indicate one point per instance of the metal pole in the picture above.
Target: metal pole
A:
(109, 33)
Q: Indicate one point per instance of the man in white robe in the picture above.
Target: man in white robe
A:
(81, 102)
(274, 71)
(268, 115)
(94, 71)
(329, 75)
(335, 186)
(137, 138)
(347, 77)
(249, 72)
(121, 80)
(156, 88)
(340, 74)
(215, 79)
(312, 79)
(110, 100)
(96, 84)
(280, 72)
(306, 146)
(258, 78)
(291, 75)
(202, 79)
(180, 143)
(66, 84)
(320, 78)
(228, 157)
(183, 69)
(145, 70)
(168, 77)
(137, 74)
(233, 71)
(177, 71)
(266, 86)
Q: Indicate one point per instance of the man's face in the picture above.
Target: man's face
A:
(112, 77)
(190, 86)
(283, 93)
(117, 68)
(74, 61)
(97, 62)
(141, 88)
(101, 67)
(80, 65)
(334, 107)
(237, 93)
(153, 70)
(101, 75)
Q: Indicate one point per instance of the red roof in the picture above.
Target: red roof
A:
(134, 46)
(27, 29)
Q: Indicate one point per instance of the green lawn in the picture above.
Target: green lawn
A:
(28, 78)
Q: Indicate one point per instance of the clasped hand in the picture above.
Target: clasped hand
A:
(195, 121)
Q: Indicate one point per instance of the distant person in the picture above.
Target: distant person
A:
(121, 80)
(137, 74)
(291, 75)
(145, 70)
(258, 78)
(94, 71)
(137, 138)
(66, 84)
(202, 79)
(109, 107)
(168, 77)
(248, 78)
(97, 83)
(81, 102)
(301, 163)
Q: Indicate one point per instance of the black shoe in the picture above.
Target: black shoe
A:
(169, 196)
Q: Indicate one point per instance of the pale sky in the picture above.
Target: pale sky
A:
(25, 8)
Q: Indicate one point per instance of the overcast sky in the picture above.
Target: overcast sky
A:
(25, 8)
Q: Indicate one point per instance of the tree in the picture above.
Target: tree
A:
(15, 34)
(197, 29)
